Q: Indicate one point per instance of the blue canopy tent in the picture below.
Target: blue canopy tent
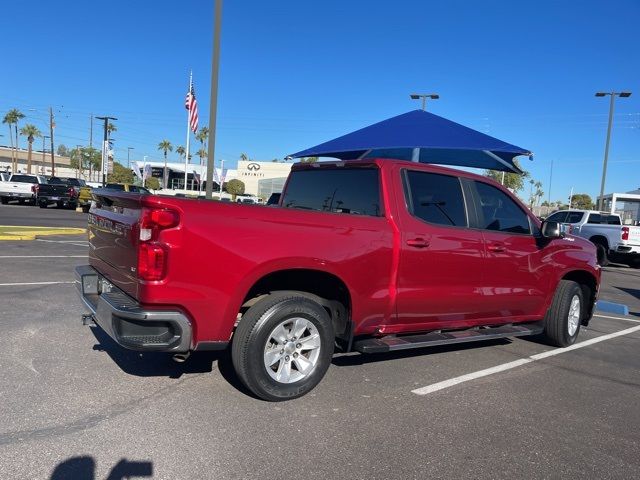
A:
(421, 136)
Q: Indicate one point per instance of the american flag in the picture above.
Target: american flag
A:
(192, 105)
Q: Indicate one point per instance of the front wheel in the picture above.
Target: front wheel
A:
(4, 200)
(283, 346)
(563, 320)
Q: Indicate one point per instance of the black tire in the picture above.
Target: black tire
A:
(43, 205)
(253, 334)
(602, 255)
(73, 206)
(556, 322)
(60, 204)
(86, 208)
(635, 263)
(4, 200)
(21, 201)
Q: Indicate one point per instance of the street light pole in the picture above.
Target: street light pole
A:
(606, 148)
(105, 147)
(213, 102)
(424, 96)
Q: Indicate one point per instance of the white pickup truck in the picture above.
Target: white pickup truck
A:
(614, 241)
(21, 187)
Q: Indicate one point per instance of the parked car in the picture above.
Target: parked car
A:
(65, 192)
(21, 187)
(126, 187)
(374, 255)
(614, 241)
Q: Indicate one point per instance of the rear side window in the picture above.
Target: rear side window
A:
(355, 191)
(558, 217)
(436, 198)
(499, 212)
(115, 186)
(574, 217)
(24, 179)
(595, 218)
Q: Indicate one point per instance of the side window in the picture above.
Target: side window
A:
(558, 217)
(354, 191)
(499, 212)
(613, 220)
(574, 217)
(594, 218)
(436, 198)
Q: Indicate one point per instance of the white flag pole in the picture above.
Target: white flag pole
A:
(186, 158)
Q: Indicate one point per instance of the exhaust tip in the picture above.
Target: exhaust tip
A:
(181, 357)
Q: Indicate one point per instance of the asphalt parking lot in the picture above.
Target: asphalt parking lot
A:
(75, 405)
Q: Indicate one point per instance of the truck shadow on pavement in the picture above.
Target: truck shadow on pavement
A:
(157, 364)
(84, 468)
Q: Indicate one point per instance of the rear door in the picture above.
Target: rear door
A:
(513, 281)
(441, 259)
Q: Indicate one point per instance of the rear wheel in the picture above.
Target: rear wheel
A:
(43, 204)
(563, 320)
(4, 200)
(283, 346)
(602, 255)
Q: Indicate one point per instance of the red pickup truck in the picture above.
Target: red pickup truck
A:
(373, 256)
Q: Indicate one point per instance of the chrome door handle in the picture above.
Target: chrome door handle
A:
(418, 243)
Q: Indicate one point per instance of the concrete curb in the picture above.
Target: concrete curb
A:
(611, 307)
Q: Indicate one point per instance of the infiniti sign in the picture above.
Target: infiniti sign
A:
(253, 167)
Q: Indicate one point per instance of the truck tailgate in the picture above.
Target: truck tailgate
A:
(113, 237)
(633, 235)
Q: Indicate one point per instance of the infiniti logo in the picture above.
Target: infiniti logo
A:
(253, 167)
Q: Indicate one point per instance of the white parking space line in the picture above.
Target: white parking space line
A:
(617, 318)
(31, 283)
(43, 256)
(507, 366)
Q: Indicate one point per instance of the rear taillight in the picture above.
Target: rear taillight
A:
(152, 261)
(35, 188)
(625, 233)
(72, 192)
(152, 253)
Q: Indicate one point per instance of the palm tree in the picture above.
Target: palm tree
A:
(202, 153)
(31, 132)
(110, 129)
(202, 136)
(181, 151)
(165, 146)
(11, 118)
(244, 157)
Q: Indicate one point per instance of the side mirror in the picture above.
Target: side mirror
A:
(552, 230)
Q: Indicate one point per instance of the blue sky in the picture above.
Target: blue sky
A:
(297, 73)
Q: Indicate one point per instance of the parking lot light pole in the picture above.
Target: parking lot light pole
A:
(424, 96)
(44, 160)
(213, 101)
(606, 147)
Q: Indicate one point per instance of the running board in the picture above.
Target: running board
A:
(392, 343)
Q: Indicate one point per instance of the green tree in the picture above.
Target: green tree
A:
(63, 151)
(309, 160)
(121, 174)
(31, 132)
(165, 146)
(12, 117)
(152, 182)
(234, 187)
(538, 193)
(244, 157)
(582, 201)
(512, 181)
(92, 160)
(76, 160)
